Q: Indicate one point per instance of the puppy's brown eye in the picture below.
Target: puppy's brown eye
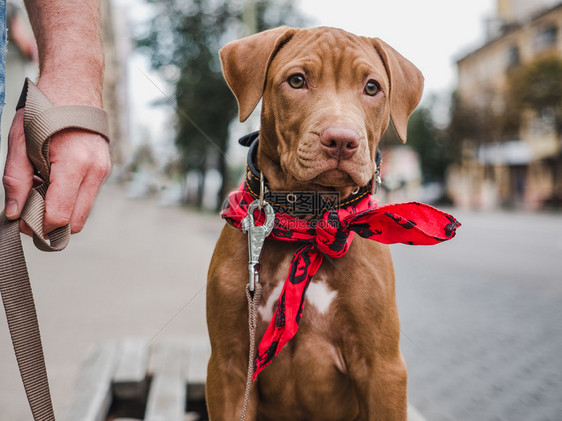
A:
(371, 88)
(296, 81)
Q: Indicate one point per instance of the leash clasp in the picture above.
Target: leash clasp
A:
(256, 237)
(262, 191)
(378, 181)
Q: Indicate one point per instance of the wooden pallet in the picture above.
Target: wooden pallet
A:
(132, 380)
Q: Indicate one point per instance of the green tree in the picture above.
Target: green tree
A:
(183, 39)
(429, 143)
(471, 126)
(537, 86)
(432, 144)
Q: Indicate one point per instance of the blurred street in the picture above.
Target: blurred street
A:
(481, 319)
(481, 315)
(137, 270)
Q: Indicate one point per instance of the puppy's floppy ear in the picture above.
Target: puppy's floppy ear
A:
(245, 63)
(406, 86)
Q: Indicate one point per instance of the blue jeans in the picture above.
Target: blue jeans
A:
(2, 53)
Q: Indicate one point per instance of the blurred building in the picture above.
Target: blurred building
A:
(117, 46)
(527, 168)
(21, 62)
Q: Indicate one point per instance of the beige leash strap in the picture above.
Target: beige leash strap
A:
(41, 121)
(253, 301)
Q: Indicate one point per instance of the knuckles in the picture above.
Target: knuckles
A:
(12, 183)
(82, 152)
(55, 220)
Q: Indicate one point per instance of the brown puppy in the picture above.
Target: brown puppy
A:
(327, 99)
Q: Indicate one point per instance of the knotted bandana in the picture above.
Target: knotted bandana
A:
(409, 223)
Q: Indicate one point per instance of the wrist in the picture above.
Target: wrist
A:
(80, 83)
(70, 50)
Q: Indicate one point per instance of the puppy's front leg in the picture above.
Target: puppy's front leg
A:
(226, 383)
(382, 389)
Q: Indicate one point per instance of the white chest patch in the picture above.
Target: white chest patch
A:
(266, 309)
(320, 295)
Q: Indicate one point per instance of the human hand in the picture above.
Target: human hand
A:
(80, 162)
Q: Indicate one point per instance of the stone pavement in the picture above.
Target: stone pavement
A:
(137, 270)
(482, 319)
(481, 315)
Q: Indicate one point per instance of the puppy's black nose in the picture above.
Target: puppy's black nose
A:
(339, 142)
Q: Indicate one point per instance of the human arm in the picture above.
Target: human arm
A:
(71, 67)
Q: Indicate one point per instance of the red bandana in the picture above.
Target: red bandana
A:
(409, 223)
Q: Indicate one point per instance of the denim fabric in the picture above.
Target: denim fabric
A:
(2, 54)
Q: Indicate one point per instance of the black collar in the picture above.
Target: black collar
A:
(297, 203)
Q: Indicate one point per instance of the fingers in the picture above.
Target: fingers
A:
(61, 195)
(18, 173)
(84, 202)
(79, 164)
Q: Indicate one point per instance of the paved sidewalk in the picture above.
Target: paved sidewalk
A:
(481, 315)
(482, 319)
(137, 270)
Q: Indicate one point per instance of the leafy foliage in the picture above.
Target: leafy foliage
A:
(183, 41)
(537, 86)
(471, 126)
(435, 146)
(430, 144)
(470, 122)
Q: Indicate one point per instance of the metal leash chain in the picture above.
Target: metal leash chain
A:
(253, 299)
(256, 238)
(377, 181)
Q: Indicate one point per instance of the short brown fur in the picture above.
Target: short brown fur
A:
(345, 364)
